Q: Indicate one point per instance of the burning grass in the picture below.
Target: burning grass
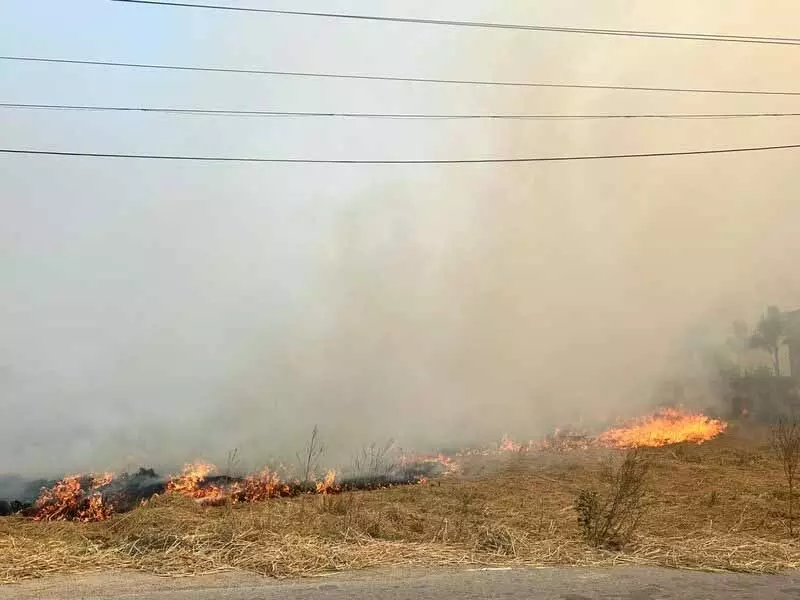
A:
(88, 498)
(669, 426)
(710, 506)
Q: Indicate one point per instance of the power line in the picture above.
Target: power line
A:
(672, 35)
(321, 75)
(399, 116)
(229, 159)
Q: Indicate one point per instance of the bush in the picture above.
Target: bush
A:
(609, 520)
(374, 459)
(786, 445)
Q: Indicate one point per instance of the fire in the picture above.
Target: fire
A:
(509, 445)
(669, 426)
(260, 487)
(565, 441)
(190, 483)
(328, 484)
(69, 499)
(193, 483)
(446, 463)
(99, 481)
(94, 497)
(504, 446)
(98, 510)
(84, 497)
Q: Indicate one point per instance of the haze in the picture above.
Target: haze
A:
(155, 312)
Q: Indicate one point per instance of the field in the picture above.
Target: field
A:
(715, 506)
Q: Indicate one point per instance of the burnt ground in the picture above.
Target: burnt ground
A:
(127, 491)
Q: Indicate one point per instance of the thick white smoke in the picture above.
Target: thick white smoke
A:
(153, 313)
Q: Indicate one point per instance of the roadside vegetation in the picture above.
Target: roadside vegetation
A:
(720, 505)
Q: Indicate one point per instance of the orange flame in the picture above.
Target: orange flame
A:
(448, 465)
(669, 426)
(328, 484)
(82, 497)
(504, 446)
(67, 500)
(260, 487)
(103, 480)
(97, 510)
(190, 483)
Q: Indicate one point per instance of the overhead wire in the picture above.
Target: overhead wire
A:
(536, 159)
(673, 35)
(389, 78)
(265, 113)
(392, 116)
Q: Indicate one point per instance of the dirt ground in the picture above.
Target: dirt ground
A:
(716, 506)
(635, 583)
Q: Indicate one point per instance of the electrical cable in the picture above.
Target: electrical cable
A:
(711, 37)
(401, 116)
(321, 75)
(20, 151)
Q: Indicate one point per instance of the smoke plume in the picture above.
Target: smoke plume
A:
(154, 313)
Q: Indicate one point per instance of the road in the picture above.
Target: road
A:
(622, 583)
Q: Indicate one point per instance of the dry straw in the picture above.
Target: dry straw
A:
(718, 506)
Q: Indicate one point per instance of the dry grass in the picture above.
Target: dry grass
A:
(720, 506)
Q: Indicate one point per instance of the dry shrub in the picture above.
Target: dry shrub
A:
(609, 521)
(373, 459)
(308, 458)
(497, 540)
(786, 445)
(343, 504)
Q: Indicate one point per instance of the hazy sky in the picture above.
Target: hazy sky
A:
(155, 312)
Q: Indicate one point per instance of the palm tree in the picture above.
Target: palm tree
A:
(770, 335)
(739, 343)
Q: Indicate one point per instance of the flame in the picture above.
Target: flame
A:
(190, 483)
(669, 426)
(260, 487)
(257, 487)
(103, 480)
(509, 445)
(328, 484)
(448, 465)
(98, 510)
(68, 500)
(86, 497)
(504, 446)
(83, 497)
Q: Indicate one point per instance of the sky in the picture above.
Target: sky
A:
(156, 312)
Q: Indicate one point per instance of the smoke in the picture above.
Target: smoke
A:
(157, 313)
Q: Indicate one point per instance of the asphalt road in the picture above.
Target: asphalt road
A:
(558, 584)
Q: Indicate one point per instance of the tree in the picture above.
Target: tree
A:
(739, 343)
(770, 335)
